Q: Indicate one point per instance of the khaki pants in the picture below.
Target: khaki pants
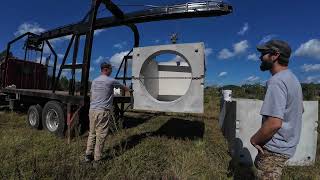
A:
(269, 165)
(99, 125)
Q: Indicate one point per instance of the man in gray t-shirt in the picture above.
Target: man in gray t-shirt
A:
(100, 112)
(282, 109)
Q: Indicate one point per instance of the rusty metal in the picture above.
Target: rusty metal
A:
(181, 11)
(54, 65)
(63, 62)
(88, 47)
(74, 66)
(24, 74)
(26, 51)
(61, 96)
(41, 55)
(5, 74)
(69, 115)
(87, 26)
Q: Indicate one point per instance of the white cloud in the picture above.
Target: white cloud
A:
(100, 59)
(65, 74)
(120, 45)
(60, 56)
(98, 31)
(43, 60)
(51, 63)
(116, 59)
(312, 79)
(267, 38)
(178, 59)
(29, 27)
(253, 57)
(225, 54)
(208, 51)
(238, 48)
(37, 29)
(46, 49)
(252, 79)
(222, 74)
(78, 72)
(91, 69)
(244, 29)
(310, 48)
(157, 41)
(310, 67)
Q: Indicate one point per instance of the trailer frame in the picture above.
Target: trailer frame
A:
(70, 101)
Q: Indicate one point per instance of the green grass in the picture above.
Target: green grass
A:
(151, 146)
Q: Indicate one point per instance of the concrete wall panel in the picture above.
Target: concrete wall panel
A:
(240, 119)
(192, 100)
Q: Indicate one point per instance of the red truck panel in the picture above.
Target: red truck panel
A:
(24, 74)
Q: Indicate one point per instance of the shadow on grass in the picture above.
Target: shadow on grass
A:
(130, 122)
(241, 165)
(177, 128)
(174, 128)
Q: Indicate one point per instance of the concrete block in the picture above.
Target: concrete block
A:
(240, 119)
(169, 86)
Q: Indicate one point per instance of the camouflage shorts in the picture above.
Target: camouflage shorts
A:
(269, 165)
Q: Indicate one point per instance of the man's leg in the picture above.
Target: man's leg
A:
(269, 165)
(101, 132)
(92, 133)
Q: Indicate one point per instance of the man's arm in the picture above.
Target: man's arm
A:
(270, 126)
(119, 85)
(273, 110)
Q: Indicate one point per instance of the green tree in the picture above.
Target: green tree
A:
(3, 54)
(310, 91)
(63, 83)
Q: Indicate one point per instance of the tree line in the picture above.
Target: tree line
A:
(311, 91)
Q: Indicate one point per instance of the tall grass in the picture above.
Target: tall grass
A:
(148, 146)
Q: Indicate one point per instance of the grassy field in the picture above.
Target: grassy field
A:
(150, 146)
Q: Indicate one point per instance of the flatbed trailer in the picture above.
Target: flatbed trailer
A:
(62, 106)
(58, 111)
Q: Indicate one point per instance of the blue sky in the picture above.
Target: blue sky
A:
(230, 40)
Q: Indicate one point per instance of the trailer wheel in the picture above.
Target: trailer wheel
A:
(34, 116)
(54, 118)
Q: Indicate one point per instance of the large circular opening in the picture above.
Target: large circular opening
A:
(166, 75)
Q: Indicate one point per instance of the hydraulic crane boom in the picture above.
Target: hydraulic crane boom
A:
(187, 10)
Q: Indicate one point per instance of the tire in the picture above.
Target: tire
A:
(54, 118)
(34, 116)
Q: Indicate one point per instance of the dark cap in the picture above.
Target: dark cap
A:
(276, 45)
(105, 65)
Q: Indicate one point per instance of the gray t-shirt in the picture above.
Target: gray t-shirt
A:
(284, 100)
(102, 92)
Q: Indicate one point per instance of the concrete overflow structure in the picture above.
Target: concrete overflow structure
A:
(240, 119)
(169, 86)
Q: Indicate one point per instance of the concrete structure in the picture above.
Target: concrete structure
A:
(240, 119)
(170, 86)
(175, 74)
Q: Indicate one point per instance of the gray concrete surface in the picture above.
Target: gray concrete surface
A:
(240, 119)
(186, 95)
(150, 68)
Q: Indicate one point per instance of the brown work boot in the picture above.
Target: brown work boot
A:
(88, 158)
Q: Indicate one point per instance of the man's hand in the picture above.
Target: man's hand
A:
(270, 126)
(259, 148)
